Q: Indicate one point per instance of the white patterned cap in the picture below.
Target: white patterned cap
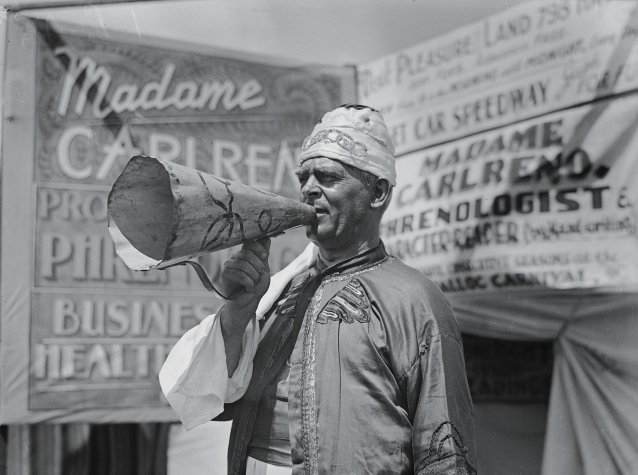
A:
(355, 135)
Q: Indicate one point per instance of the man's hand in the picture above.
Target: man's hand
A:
(245, 278)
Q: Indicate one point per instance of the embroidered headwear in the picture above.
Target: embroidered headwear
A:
(355, 135)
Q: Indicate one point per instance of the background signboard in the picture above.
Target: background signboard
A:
(500, 371)
(516, 143)
(543, 203)
(83, 336)
(526, 61)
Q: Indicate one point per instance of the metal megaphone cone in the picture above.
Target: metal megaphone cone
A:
(162, 214)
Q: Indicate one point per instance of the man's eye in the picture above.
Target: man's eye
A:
(327, 179)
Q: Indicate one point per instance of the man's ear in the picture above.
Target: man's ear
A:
(382, 194)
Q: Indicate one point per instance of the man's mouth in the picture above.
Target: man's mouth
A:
(319, 210)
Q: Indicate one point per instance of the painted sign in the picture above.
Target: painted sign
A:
(513, 372)
(88, 336)
(544, 203)
(529, 60)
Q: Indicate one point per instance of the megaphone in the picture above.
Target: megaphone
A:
(162, 214)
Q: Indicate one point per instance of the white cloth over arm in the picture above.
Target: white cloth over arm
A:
(194, 377)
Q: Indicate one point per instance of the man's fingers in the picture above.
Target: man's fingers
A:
(248, 268)
(265, 243)
(251, 258)
(244, 267)
(239, 276)
(260, 247)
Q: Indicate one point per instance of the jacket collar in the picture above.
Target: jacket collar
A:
(364, 258)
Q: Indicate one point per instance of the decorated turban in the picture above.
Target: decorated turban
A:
(355, 135)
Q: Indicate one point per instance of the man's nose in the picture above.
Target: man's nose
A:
(310, 188)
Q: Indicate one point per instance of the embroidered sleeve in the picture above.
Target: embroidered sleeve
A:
(439, 404)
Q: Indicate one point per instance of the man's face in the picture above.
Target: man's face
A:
(341, 200)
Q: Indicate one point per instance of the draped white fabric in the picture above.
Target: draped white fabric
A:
(592, 425)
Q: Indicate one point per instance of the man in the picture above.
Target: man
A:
(347, 361)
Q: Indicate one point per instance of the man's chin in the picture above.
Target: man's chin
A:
(312, 233)
(318, 235)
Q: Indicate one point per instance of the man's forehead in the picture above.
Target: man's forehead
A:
(320, 163)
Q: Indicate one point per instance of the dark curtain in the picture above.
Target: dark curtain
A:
(99, 449)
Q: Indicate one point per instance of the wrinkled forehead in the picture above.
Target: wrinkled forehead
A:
(320, 163)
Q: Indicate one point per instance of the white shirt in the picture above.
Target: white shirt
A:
(194, 377)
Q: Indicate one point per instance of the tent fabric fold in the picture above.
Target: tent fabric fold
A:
(592, 421)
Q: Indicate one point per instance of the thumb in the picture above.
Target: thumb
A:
(265, 242)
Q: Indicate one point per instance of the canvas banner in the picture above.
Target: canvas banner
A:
(529, 60)
(83, 336)
(548, 203)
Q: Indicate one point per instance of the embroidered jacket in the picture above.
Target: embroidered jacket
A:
(377, 378)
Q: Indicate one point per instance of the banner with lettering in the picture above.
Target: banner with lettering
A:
(547, 203)
(513, 372)
(531, 59)
(83, 336)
